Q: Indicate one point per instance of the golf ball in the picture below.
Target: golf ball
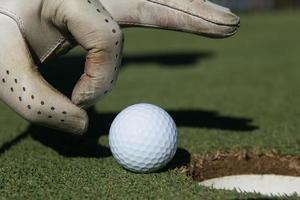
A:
(143, 138)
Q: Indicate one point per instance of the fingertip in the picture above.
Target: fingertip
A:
(81, 98)
(83, 123)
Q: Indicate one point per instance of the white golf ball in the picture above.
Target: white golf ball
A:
(143, 138)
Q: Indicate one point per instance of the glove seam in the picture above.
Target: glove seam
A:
(20, 24)
(161, 27)
(15, 17)
(52, 48)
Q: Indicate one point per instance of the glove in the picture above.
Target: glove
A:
(37, 31)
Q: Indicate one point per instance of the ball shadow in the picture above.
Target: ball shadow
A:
(181, 158)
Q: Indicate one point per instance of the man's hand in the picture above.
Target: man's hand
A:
(36, 31)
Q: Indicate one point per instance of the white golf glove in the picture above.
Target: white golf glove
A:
(35, 31)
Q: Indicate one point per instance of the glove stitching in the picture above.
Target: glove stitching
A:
(52, 48)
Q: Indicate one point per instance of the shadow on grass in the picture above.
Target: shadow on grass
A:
(87, 146)
(56, 72)
(75, 146)
(100, 122)
(171, 60)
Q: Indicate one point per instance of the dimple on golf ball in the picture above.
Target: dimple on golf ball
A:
(143, 138)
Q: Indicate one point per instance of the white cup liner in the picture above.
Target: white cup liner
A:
(269, 185)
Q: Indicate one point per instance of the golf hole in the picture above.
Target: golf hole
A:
(268, 173)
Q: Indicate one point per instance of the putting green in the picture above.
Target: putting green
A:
(223, 94)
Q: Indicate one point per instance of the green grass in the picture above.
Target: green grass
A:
(241, 92)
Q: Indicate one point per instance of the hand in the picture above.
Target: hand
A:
(32, 33)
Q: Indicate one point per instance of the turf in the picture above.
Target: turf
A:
(241, 92)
